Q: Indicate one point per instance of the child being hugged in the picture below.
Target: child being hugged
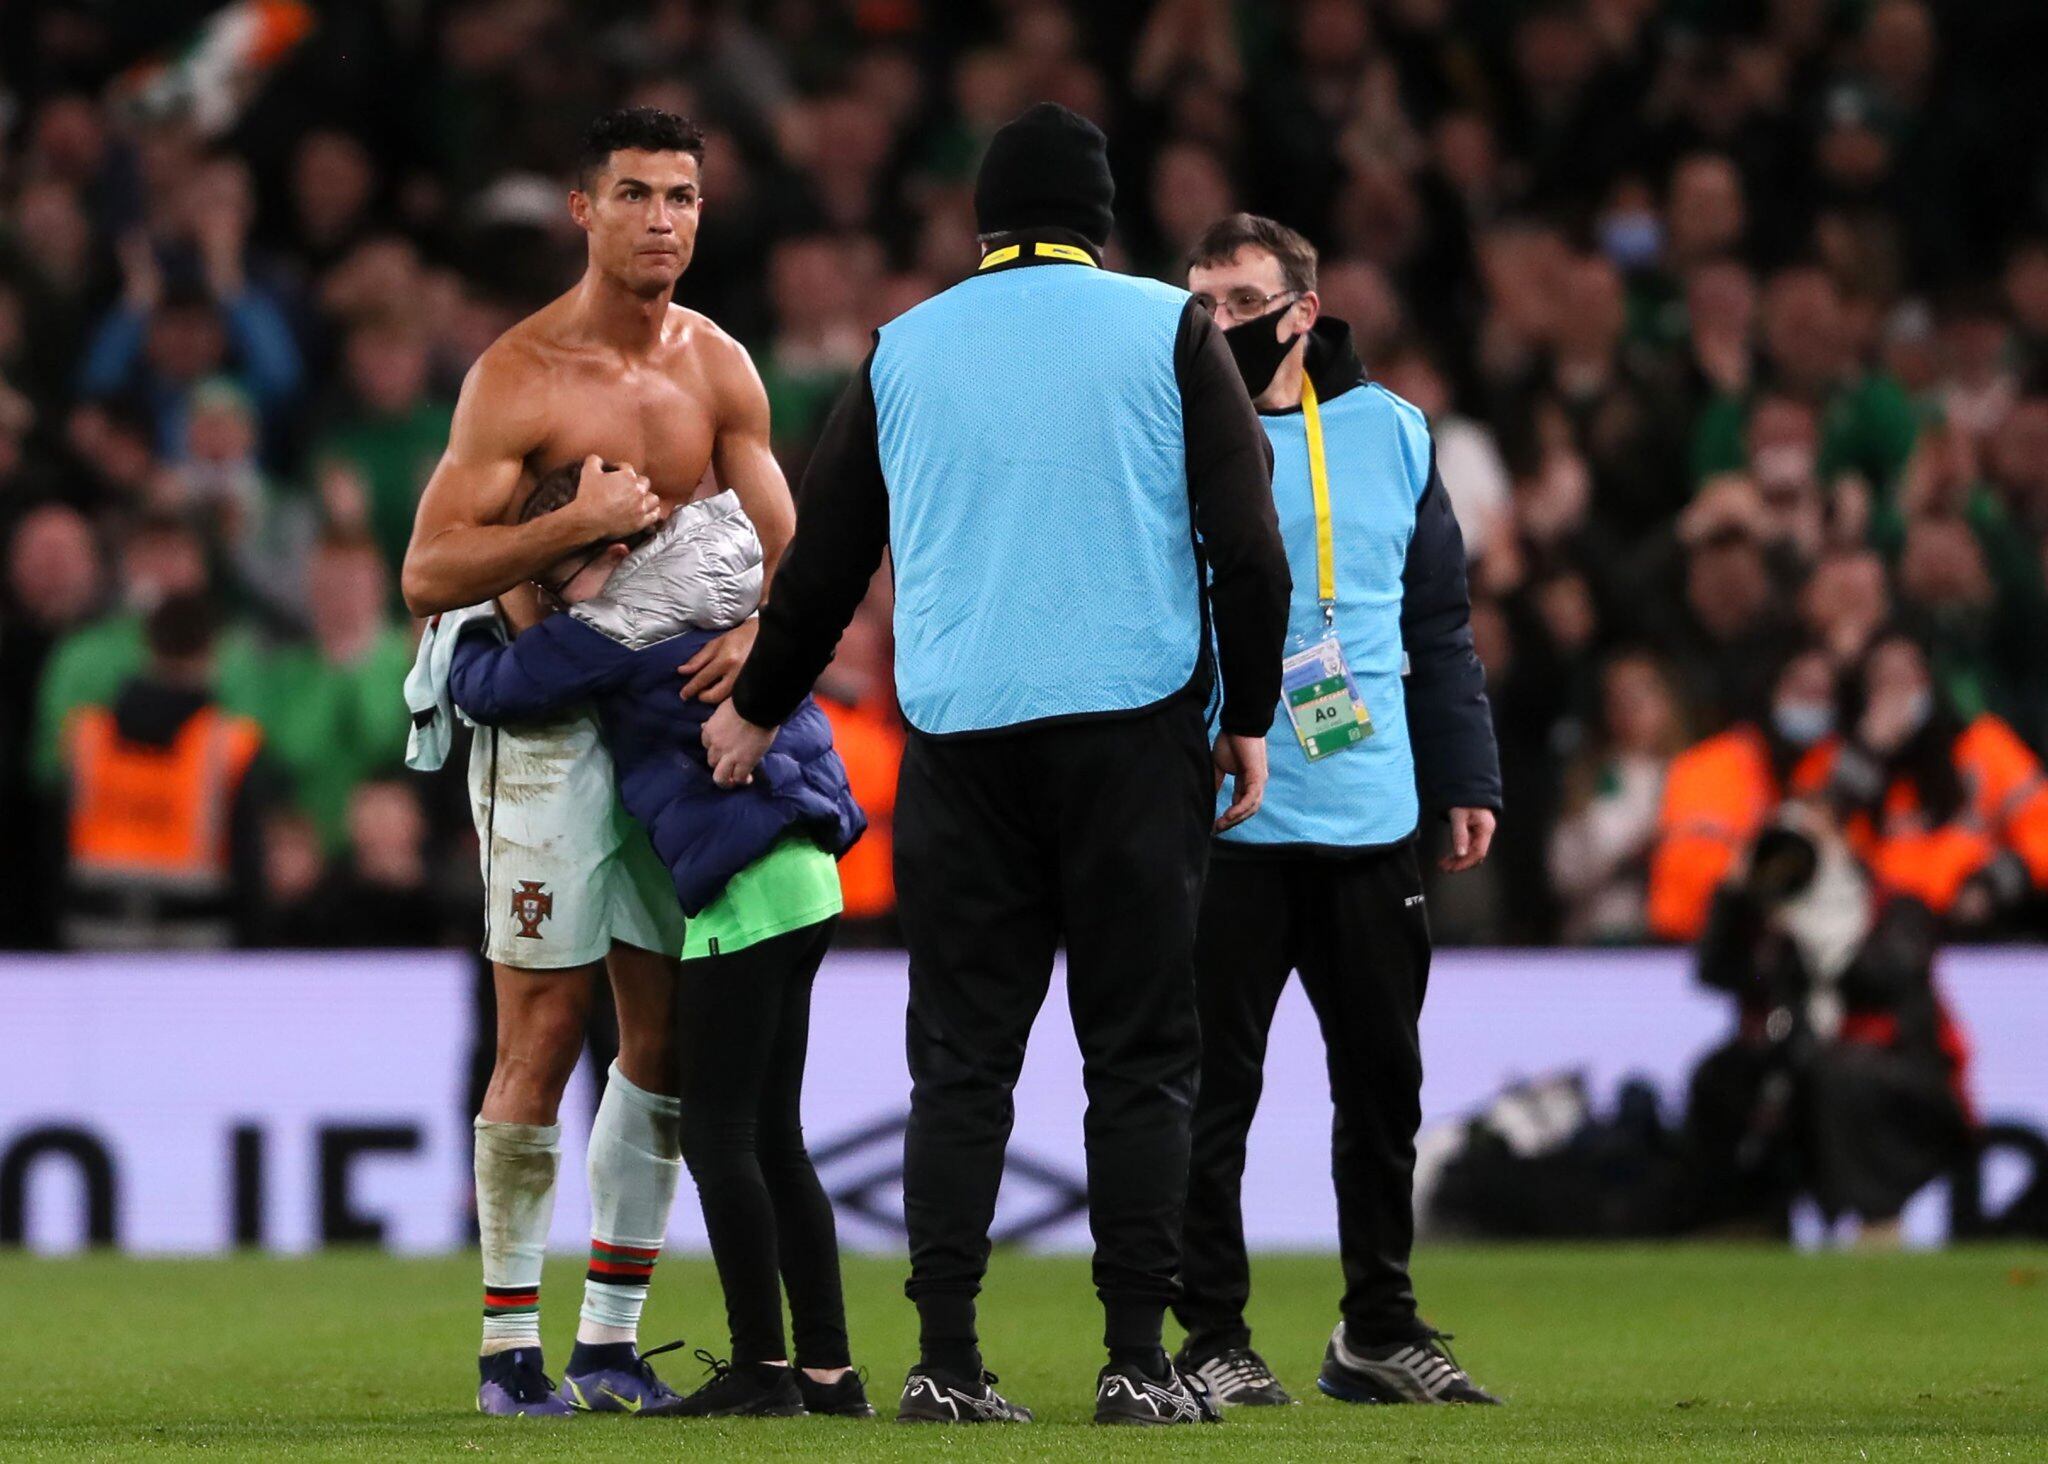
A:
(755, 870)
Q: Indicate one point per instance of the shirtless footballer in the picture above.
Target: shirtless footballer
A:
(614, 373)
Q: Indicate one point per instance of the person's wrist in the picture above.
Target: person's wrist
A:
(745, 704)
(574, 521)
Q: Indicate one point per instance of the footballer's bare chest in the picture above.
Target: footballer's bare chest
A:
(659, 415)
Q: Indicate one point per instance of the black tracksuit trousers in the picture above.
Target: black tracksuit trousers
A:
(1355, 929)
(1096, 833)
(742, 1025)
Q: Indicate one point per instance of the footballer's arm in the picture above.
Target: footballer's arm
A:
(463, 551)
(744, 460)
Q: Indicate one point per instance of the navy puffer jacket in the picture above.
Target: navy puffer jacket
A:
(705, 834)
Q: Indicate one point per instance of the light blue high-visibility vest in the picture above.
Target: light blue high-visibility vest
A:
(1379, 458)
(1029, 427)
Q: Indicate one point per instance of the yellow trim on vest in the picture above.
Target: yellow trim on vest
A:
(1043, 249)
(1319, 486)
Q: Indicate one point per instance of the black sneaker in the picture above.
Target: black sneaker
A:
(758, 1390)
(1126, 1395)
(1417, 1371)
(846, 1396)
(1237, 1377)
(930, 1396)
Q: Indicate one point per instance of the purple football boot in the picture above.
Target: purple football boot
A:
(515, 1386)
(612, 1377)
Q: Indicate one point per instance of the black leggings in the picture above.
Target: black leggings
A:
(742, 1025)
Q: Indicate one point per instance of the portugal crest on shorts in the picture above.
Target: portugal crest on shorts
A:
(531, 904)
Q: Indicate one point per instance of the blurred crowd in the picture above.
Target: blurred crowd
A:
(1731, 317)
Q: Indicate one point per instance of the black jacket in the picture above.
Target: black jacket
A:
(1892, 971)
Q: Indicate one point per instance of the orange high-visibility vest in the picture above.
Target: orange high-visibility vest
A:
(156, 817)
(871, 745)
(1718, 795)
(2005, 808)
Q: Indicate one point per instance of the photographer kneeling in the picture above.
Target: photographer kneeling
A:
(1842, 1079)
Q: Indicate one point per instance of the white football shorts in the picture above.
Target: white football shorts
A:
(567, 871)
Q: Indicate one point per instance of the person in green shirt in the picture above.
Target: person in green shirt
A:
(818, 341)
(394, 431)
(1867, 421)
(161, 556)
(330, 706)
(794, 885)
(742, 1031)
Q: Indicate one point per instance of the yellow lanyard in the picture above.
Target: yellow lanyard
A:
(1319, 486)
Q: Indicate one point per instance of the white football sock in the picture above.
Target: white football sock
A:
(516, 1165)
(636, 1155)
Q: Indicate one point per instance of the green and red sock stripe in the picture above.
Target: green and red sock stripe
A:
(622, 1265)
(505, 1301)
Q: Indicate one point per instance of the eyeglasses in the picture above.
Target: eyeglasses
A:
(1243, 304)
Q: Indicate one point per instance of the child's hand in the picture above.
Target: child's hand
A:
(710, 674)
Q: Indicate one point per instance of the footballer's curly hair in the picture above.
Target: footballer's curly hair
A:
(642, 129)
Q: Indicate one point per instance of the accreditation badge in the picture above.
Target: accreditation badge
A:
(1323, 701)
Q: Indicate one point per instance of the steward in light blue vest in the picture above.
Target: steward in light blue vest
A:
(1402, 615)
(1066, 473)
(992, 372)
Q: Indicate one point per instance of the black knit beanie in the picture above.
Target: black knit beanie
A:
(1048, 168)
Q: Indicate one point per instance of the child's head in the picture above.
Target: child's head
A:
(581, 573)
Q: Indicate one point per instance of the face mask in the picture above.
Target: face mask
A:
(1257, 348)
(1632, 241)
(1803, 723)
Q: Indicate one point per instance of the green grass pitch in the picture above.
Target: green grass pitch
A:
(1700, 1352)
